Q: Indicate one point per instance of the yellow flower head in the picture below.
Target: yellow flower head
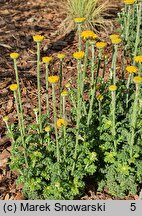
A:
(116, 40)
(137, 79)
(79, 20)
(128, 2)
(61, 122)
(46, 60)
(35, 110)
(38, 38)
(131, 69)
(14, 55)
(68, 85)
(79, 55)
(138, 59)
(99, 97)
(88, 35)
(5, 118)
(112, 36)
(13, 87)
(64, 93)
(53, 79)
(101, 45)
(47, 129)
(61, 56)
(112, 87)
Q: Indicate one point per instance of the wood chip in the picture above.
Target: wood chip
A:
(6, 197)
(19, 196)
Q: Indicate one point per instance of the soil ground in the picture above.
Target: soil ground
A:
(19, 21)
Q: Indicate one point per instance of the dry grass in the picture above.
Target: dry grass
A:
(95, 12)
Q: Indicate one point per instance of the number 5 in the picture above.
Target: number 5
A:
(133, 207)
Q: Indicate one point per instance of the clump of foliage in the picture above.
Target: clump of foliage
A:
(104, 137)
(94, 11)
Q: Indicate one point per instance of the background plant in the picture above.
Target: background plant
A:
(93, 10)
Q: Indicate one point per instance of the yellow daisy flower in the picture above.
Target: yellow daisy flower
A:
(137, 79)
(79, 55)
(53, 79)
(128, 2)
(46, 60)
(116, 40)
(5, 118)
(38, 38)
(112, 36)
(64, 93)
(131, 69)
(14, 55)
(47, 129)
(61, 56)
(68, 85)
(88, 35)
(61, 122)
(35, 110)
(112, 87)
(79, 20)
(101, 45)
(13, 87)
(138, 59)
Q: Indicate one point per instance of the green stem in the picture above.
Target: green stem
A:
(113, 105)
(19, 96)
(98, 66)
(9, 131)
(72, 99)
(114, 64)
(78, 114)
(20, 127)
(104, 68)
(92, 63)
(127, 25)
(79, 37)
(64, 101)
(64, 134)
(100, 116)
(134, 120)
(47, 98)
(38, 85)
(91, 105)
(100, 110)
(139, 16)
(61, 75)
(55, 121)
(128, 84)
(61, 80)
(85, 65)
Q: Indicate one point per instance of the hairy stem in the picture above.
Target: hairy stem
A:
(38, 85)
(55, 121)
(47, 98)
